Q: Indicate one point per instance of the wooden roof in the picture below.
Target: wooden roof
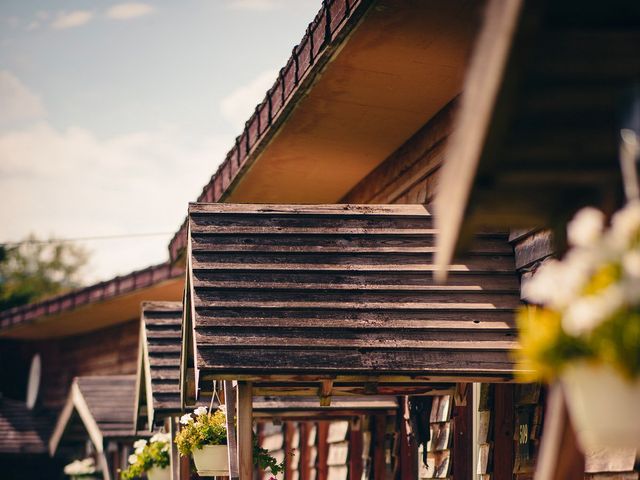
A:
(23, 430)
(537, 131)
(342, 295)
(307, 141)
(90, 308)
(158, 389)
(103, 404)
(157, 381)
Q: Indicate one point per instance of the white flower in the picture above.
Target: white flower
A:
(200, 411)
(631, 264)
(586, 227)
(160, 437)
(223, 408)
(556, 283)
(624, 224)
(133, 458)
(586, 313)
(86, 466)
(139, 445)
(186, 419)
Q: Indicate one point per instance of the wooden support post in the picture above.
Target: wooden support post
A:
(323, 450)
(245, 431)
(408, 457)
(174, 455)
(355, 449)
(463, 434)
(325, 393)
(379, 446)
(230, 402)
(504, 420)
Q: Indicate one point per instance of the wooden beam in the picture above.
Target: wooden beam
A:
(378, 444)
(245, 431)
(325, 393)
(230, 402)
(323, 450)
(408, 456)
(560, 457)
(174, 455)
(355, 449)
(477, 112)
(503, 428)
(463, 435)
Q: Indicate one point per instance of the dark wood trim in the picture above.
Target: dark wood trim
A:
(503, 418)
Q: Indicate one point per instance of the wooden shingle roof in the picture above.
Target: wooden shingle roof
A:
(158, 377)
(103, 404)
(158, 388)
(23, 430)
(288, 294)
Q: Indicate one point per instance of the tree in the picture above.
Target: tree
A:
(33, 269)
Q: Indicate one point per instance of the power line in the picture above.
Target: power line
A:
(83, 239)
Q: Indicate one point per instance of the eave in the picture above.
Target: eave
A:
(97, 306)
(387, 68)
(536, 136)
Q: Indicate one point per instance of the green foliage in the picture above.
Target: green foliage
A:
(153, 454)
(205, 429)
(34, 270)
(264, 461)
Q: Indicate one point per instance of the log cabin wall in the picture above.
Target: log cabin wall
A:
(410, 174)
(109, 351)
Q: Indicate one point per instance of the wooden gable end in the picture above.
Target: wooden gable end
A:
(345, 293)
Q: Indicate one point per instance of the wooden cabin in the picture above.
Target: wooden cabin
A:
(85, 333)
(99, 408)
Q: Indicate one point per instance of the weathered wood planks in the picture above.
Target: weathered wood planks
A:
(339, 290)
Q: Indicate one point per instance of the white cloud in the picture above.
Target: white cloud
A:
(255, 5)
(127, 11)
(73, 19)
(238, 105)
(70, 184)
(19, 104)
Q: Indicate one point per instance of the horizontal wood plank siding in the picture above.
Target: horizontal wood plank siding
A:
(310, 289)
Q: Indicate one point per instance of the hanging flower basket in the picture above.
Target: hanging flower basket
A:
(204, 436)
(603, 406)
(150, 458)
(83, 470)
(211, 460)
(157, 473)
(585, 327)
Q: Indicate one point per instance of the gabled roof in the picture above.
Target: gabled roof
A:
(23, 430)
(158, 388)
(104, 406)
(537, 132)
(157, 381)
(366, 77)
(112, 301)
(288, 294)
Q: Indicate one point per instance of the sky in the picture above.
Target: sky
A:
(114, 115)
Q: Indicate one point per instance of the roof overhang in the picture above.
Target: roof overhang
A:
(340, 300)
(385, 70)
(98, 306)
(537, 133)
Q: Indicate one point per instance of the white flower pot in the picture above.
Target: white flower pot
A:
(211, 460)
(603, 406)
(156, 473)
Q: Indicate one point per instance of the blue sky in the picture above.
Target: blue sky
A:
(113, 115)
